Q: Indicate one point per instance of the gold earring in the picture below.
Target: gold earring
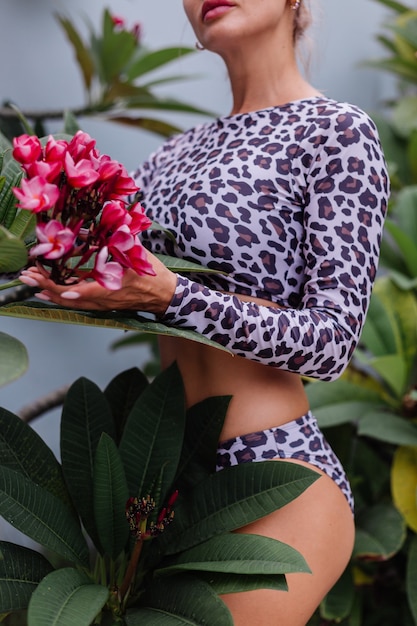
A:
(295, 4)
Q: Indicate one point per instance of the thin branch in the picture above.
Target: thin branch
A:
(44, 404)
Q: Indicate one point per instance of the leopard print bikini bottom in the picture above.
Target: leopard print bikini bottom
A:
(300, 439)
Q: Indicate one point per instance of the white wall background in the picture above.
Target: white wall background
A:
(38, 71)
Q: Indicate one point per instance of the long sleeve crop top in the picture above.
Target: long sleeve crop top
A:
(289, 203)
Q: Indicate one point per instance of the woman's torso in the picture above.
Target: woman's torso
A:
(233, 193)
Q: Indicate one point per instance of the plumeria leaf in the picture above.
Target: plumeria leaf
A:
(21, 570)
(110, 497)
(66, 597)
(203, 427)
(85, 416)
(380, 533)
(14, 361)
(121, 321)
(172, 602)
(41, 516)
(234, 583)
(160, 127)
(232, 498)
(153, 435)
(235, 553)
(40, 465)
(121, 394)
(13, 253)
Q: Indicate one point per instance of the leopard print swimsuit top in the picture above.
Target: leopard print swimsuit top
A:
(289, 202)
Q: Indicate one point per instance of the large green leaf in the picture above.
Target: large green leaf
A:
(83, 56)
(380, 533)
(388, 427)
(235, 583)
(202, 433)
(23, 450)
(66, 597)
(393, 370)
(110, 497)
(377, 334)
(121, 394)
(14, 359)
(118, 321)
(13, 253)
(41, 516)
(404, 483)
(399, 7)
(233, 498)
(85, 416)
(181, 601)
(21, 570)
(235, 553)
(153, 435)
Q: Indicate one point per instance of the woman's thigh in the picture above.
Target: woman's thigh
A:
(319, 524)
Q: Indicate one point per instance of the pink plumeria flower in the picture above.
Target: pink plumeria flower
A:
(55, 241)
(48, 171)
(108, 274)
(26, 149)
(122, 185)
(140, 221)
(55, 150)
(113, 216)
(80, 174)
(121, 241)
(36, 194)
(134, 257)
(81, 146)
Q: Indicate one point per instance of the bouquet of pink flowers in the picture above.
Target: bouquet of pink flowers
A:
(83, 213)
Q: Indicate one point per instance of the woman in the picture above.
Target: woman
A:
(287, 196)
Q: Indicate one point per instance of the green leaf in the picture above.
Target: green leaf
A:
(154, 60)
(378, 335)
(404, 483)
(121, 394)
(399, 7)
(406, 245)
(172, 602)
(338, 603)
(14, 361)
(153, 435)
(160, 127)
(411, 577)
(393, 370)
(380, 533)
(110, 497)
(85, 416)
(119, 321)
(388, 427)
(13, 254)
(24, 451)
(41, 516)
(235, 553)
(204, 423)
(66, 597)
(233, 498)
(332, 403)
(21, 570)
(82, 53)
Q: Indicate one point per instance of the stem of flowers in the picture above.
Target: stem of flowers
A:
(131, 569)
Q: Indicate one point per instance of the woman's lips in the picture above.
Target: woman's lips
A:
(212, 9)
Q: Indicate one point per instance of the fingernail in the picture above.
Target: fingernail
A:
(31, 282)
(42, 296)
(70, 295)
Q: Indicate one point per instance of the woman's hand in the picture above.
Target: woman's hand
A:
(138, 293)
